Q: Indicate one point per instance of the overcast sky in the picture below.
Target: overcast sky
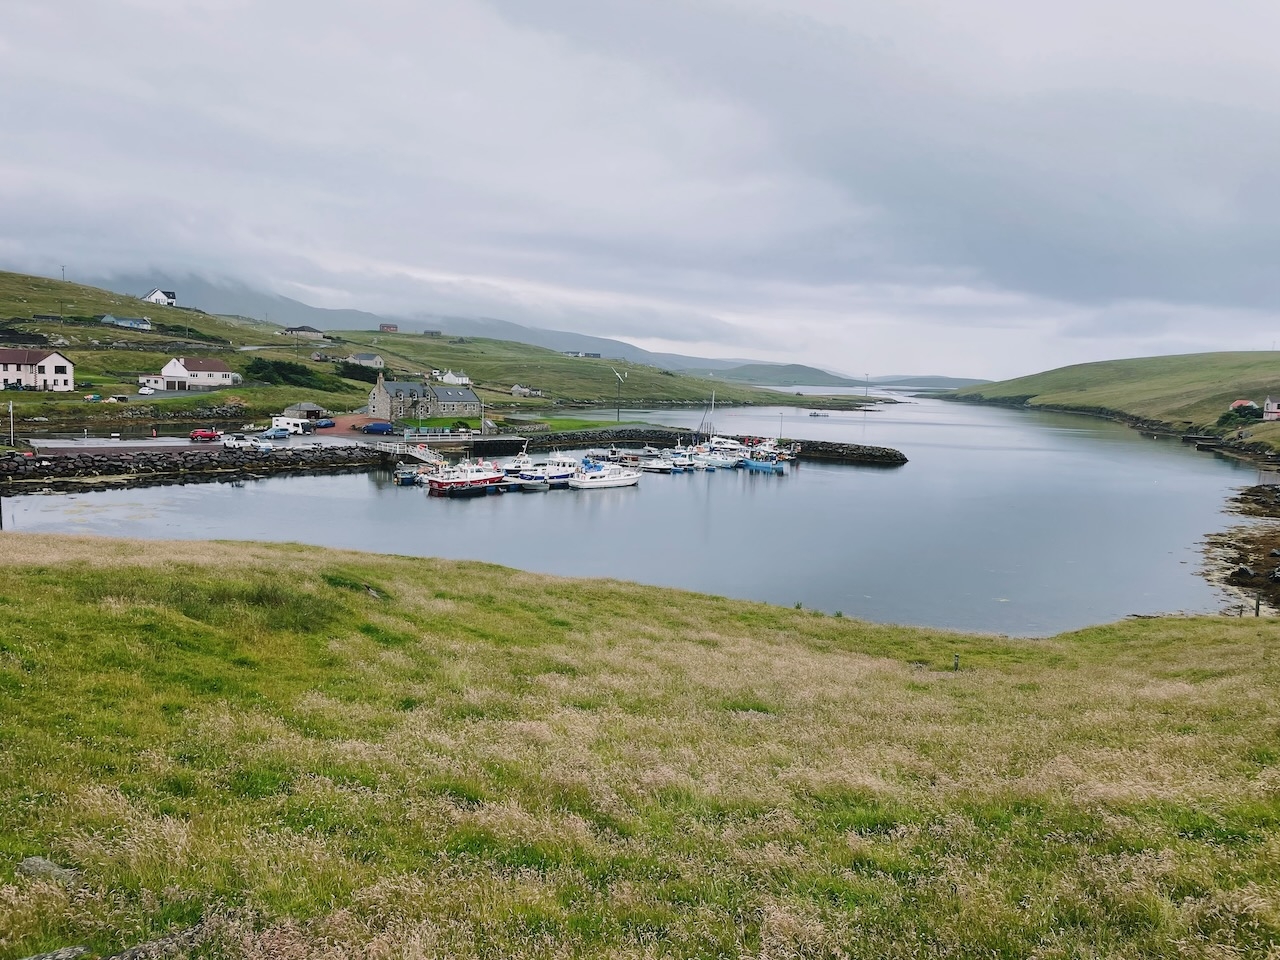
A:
(985, 188)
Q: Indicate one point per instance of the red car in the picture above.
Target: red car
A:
(205, 433)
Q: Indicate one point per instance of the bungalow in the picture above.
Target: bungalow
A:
(366, 360)
(455, 379)
(1271, 409)
(454, 401)
(37, 370)
(304, 333)
(388, 328)
(166, 297)
(194, 373)
(395, 400)
(129, 323)
(519, 391)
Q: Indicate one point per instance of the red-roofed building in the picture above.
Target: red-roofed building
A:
(36, 370)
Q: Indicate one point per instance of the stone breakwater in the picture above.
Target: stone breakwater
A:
(20, 474)
(639, 436)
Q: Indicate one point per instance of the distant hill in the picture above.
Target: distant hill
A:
(777, 375)
(232, 298)
(1188, 391)
(927, 382)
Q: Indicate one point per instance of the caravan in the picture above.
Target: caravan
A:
(293, 424)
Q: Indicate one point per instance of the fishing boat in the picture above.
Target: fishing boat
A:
(555, 472)
(600, 476)
(467, 479)
(761, 462)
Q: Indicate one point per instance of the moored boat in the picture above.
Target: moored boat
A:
(466, 479)
(519, 463)
(556, 471)
(596, 476)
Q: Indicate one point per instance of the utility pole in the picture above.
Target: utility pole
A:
(868, 393)
(64, 273)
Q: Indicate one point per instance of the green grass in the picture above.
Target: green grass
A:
(478, 762)
(1187, 392)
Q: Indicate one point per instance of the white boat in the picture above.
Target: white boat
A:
(726, 445)
(659, 464)
(466, 479)
(556, 471)
(680, 458)
(716, 461)
(599, 476)
(519, 463)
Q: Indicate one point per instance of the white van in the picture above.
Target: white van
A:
(293, 424)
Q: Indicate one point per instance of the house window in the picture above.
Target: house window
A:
(40, 369)
(60, 368)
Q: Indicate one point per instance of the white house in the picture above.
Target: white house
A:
(167, 297)
(194, 373)
(1271, 409)
(366, 360)
(39, 369)
(455, 379)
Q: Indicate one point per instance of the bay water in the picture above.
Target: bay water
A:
(1004, 521)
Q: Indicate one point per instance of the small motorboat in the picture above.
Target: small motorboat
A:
(597, 476)
(519, 463)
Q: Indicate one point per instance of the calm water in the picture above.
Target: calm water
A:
(1003, 521)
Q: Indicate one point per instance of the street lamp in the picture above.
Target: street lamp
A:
(620, 379)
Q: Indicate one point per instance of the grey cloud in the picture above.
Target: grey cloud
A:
(793, 178)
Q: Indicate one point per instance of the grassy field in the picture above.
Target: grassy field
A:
(1189, 391)
(330, 754)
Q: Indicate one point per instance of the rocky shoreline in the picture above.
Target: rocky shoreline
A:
(21, 474)
(1245, 559)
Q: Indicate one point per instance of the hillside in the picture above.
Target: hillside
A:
(305, 752)
(1188, 392)
(778, 375)
(497, 365)
(109, 359)
(230, 297)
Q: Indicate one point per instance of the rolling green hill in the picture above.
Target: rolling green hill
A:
(304, 752)
(109, 359)
(1187, 392)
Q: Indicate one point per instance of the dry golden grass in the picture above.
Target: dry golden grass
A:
(483, 763)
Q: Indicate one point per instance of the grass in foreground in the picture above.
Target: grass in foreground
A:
(477, 762)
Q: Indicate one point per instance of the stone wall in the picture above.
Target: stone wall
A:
(19, 474)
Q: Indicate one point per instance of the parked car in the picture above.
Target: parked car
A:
(120, 398)
(323, 422)
(146, 391)
(237, 441)
(275, 433)
(380, 428)
(205, 433)
(91, 397)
